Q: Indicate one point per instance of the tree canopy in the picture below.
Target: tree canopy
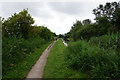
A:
(21, 25)
(109, 10)
(18, 24)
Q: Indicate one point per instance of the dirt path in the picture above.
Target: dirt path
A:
(37, 69)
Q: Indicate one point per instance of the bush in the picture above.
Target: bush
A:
(15, 49)
(100, 62)
(20, 39)
(88, 31)
(109, 41)
(93, 30)
(101, 27)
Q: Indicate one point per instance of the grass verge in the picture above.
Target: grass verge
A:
(56, 66)
(21, 70)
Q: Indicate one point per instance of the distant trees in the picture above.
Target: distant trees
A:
(67, 36)
(75, 27)
(60, 35)
(46, 33)
(107, 20)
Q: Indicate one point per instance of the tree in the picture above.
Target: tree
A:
(41, 31)
(67, 36)
(111, 11)
(103, 24)
(116, 15)
(54, 34)
(35, 31)
(61, 36)
(46, 33)
(76, 26)
(86, 22)
(106, 10)
(18, 24)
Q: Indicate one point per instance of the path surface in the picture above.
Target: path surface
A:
(37, 69)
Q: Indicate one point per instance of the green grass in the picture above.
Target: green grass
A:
(21, 70)
(56, 66)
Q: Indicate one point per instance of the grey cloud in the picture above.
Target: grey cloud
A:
(72, 8)
(50, 12)
(35, 9)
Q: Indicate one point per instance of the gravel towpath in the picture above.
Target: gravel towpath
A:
(37, 69)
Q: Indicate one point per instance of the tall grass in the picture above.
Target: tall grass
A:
(94, 57)
(108, 41)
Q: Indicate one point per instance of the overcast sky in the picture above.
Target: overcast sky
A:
(57, 15)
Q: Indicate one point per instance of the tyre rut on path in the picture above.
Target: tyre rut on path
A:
(37, 69)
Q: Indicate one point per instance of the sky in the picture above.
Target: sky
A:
(56, 15)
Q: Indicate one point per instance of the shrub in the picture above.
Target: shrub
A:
(88, 31)
(15, 49)
(109, 41)
(100, 62)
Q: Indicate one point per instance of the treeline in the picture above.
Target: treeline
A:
(21, 25)
(20, 38)
(95, 47)
(107, 20)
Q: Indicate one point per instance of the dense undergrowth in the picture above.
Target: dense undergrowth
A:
(15, 50)
(21, 69)
(20, 41)
(94, 48)
(98, 56)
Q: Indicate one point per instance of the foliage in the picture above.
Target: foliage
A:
(107, 21)
(20, 39)
(18, 24)
(87, 32)
(67, 36)
(97, 45)
(91, 30)
(41, 31)
(75, 27)
(56, 67)
(46, 33)
(20, 70)
(116, 16)
(16, 49)
(106, 10)
(60, 35)
(86, 22)
(97, 29)
(110, 10)
(54, 34)
(99, 61)
(109, 41)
